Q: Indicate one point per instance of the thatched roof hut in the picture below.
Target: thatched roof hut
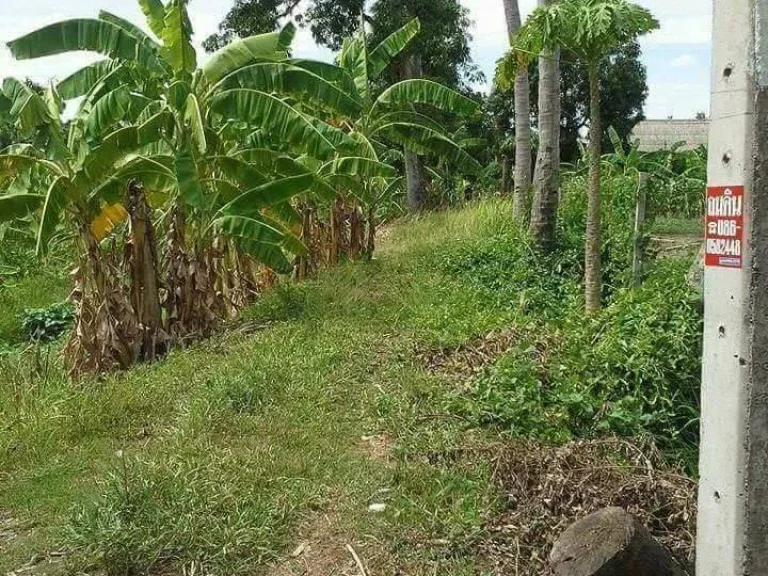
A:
(663, 134)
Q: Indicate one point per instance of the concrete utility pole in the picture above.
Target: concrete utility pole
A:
(733, 491)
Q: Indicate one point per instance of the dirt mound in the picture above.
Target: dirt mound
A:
(547, 489)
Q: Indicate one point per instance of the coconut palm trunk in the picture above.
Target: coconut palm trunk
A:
(592, 264)
(544, 208)
(414, 170)
(523, 155)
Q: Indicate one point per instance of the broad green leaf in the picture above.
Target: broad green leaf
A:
(178, 92)
(143, 38)
(425, 141)
(129, 27)
(331, 73)
(85, 34)
(155, 13)
(28, 109)
(354, 59)
(244, 174)
(155, 127)
(242, 53)
(190, 189)
(282, 121)
(286, 36)
(194, 119)
(362, 167)
(275, 162)
(349, 184)
(252, 202)
(408, 117)
(340, 139)
(286, 213)
(223, 191)
(177, 38)
(290, 241)
(15, 206)
(108, 111)
(115, 147)
(427, 92)
(81, 82)
(384, 53)
(55, 202)
(268, 254)
(249, 228)
(12, 163)
(284, 79)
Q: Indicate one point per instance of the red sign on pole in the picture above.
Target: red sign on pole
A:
(725, 227)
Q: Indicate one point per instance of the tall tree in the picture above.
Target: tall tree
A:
(545, 198)
(522, 117)
(441, 51)
(591, 30)
(623, 92)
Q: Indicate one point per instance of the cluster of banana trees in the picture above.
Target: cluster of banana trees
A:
(185, 188)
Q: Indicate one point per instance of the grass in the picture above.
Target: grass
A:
(30, 292)
(213, 459)
(678, 226)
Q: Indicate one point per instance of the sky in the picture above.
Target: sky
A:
(677, 56)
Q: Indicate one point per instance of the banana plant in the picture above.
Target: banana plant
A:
(154, 130)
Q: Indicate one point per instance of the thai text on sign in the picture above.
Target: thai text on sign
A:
(725, 227)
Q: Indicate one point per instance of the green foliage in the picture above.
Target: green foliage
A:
(47, 324)
(623, 92)
(443, 42)
(618, 196)
(632, 370)
(229, 447)
(589, 29)
(31, 290)
(174, 512)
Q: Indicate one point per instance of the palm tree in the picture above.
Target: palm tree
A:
(545, 198)
(522, 117)
(588, 30)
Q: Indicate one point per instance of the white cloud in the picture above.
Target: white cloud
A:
(683, 61)
(683, 22)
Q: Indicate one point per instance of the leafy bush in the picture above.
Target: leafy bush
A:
(634, 369)
(619, 195)
(47, 324)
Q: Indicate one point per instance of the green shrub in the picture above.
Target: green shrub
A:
(619, 195)
(634, 369)
(47, 324)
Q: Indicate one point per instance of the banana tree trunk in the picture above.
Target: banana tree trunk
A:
(335, 247)
(545, 199)
(106, 327)
(356, 231)
(302, 270)
(414, 170)
(145, 284)
(522, 122)
(371, 239)
(592, 264)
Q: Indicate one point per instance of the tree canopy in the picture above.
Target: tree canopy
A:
(443, 43)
